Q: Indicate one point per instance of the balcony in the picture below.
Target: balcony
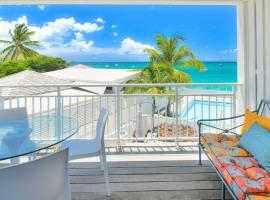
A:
(151, 147)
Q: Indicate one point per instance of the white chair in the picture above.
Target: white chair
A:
(81, 148)
(43, 179)
(22, 143)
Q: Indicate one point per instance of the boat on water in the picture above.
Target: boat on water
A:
(220, 65)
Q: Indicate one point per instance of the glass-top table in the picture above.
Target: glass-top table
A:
(27, 136)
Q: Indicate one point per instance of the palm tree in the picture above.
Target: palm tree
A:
(169, 52)
(20, 43)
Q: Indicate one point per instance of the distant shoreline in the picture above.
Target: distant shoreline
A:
(216, 72)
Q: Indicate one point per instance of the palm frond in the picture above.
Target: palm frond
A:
(182, 54)
(8, 55)
(5, 50)
(181, 77)
(32, 43)
(193, 63)
(6, 42)
(154, 55)
(20, 43)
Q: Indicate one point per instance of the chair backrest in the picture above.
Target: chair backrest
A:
(14, 114)
(101, 123)
(42, 179)
(264, 107)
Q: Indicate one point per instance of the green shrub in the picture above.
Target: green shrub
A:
(39, 64)
(11, 67)
(45, 63)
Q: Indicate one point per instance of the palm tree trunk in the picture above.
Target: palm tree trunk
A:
(169, 109)
(17, 54)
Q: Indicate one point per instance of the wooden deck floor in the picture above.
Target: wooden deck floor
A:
(165, 176)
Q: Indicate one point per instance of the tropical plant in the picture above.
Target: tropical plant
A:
(37, 63)
(169, 51)
(45, 64)
(11, 67)
(156, 73)
(166, 61)
(20, 44)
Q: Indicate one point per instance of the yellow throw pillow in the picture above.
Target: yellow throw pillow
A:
(251, 117)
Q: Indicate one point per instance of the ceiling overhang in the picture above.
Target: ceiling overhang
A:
(123, 2)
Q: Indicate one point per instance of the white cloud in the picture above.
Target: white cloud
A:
(113, 26)
(6, 26)
(130, 46)
(80, 44)
(51, 33)
(87, 49)
(100, 20)
(87, 27)
(228, 51)
(41, 7)
(53, 36)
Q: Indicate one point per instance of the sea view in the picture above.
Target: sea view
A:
(216, 72)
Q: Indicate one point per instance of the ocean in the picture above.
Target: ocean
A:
(216, 72)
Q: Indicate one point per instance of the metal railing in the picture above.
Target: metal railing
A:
(134, 117)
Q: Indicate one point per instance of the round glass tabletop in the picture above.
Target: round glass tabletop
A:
(27, 136)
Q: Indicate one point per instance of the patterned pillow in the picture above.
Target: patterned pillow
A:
(238, 152)
(256, 141)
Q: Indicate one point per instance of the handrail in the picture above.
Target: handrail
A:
(123, 119)
(123, 85)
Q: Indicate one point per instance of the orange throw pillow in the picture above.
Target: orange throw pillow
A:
(251, 117)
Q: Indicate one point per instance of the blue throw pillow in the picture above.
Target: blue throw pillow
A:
(257, 142)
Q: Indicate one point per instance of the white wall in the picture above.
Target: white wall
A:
(256, 16)
(267, 48)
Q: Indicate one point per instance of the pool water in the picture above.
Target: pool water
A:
(198, 109)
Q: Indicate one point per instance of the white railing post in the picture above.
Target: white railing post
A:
(118, 118)
(234, 99)
(234, 103)
(2, 100)
(176, 117)
(59, 131)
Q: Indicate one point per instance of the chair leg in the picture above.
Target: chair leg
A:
(200, 155)
(101, 161)
(106, 176)
(223, 192)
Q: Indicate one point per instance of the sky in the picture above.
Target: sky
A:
(119, 33)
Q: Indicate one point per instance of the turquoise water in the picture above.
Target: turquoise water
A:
(206, 110)
(217, 72)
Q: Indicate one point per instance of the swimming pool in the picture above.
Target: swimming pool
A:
(198, 109)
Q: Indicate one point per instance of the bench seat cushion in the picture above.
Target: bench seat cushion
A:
(223, 145)
(246, 177)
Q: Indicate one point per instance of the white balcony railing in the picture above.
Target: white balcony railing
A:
(131, 117)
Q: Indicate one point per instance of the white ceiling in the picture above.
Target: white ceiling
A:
(124, 2)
